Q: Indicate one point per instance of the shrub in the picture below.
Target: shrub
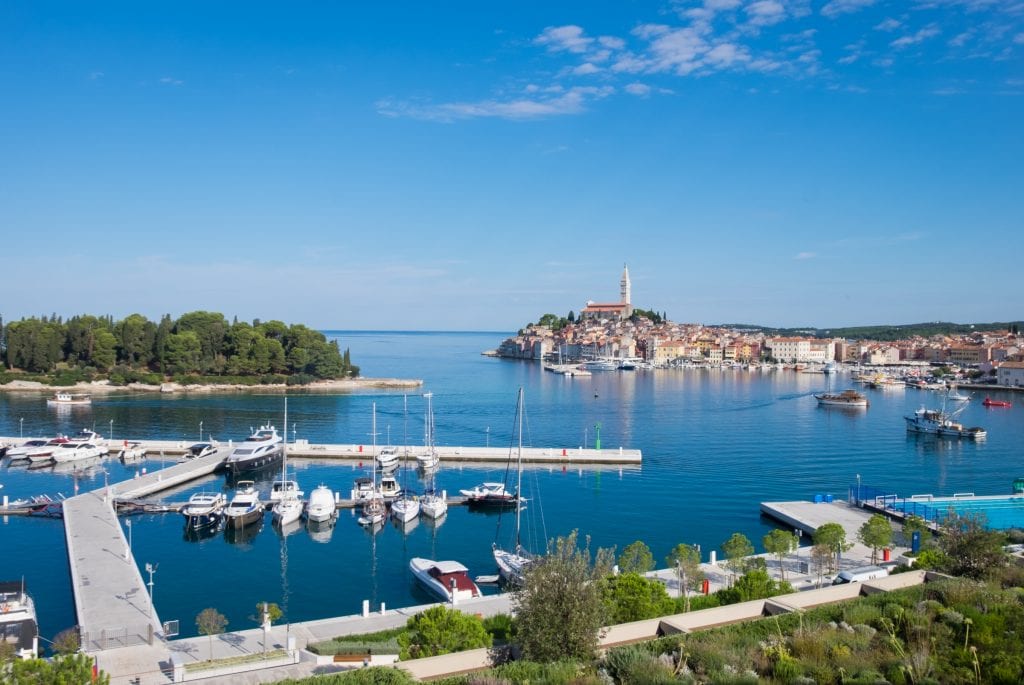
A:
(501, 627)
(440, 630)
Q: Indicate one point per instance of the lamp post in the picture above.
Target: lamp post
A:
(858, 489)
(151, 569)
(21, 429)
(200, 431)
(111, 430)
(128, 552)
(487, 432)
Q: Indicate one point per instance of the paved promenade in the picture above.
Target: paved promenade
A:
(111, 600)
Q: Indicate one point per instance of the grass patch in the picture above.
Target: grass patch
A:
(235, 660)
(381, 642)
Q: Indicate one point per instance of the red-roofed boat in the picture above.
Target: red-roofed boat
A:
(989, 402)
(449, 579)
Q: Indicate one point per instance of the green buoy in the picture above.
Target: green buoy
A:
(1018, 486)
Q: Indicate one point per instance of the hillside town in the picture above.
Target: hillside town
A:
(612, 331)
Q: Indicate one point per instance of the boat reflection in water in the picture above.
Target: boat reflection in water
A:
(201, 534)
(286, 529)
(321, 531)
(405, 527)
(243, 535)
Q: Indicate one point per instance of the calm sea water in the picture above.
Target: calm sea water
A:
(715, 444)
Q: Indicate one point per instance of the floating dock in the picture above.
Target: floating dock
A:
(305, 449)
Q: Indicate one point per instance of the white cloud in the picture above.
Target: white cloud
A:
(586, 69)
(611, 42)
(765, 12)
(167, 80)
(1019, 39)
(571, 101)
(678, 50)
(639, 89)
(837, 7)
(960, 39)
(927, 32)
(805, 255)
(950, 90)
(564, 38)
(888, 25)
(726, 54)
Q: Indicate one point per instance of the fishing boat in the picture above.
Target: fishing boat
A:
(429, 458)
(846, 398)
(512, 563)
(321, 506)
(988, 402)
(67, 399)
(374, 509)
(942, 423)
(204, 510)
(260, 450)
(448, 579)
(284, 493)
(245, 507)
(18, 625)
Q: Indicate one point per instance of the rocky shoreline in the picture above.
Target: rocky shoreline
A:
(101, 387)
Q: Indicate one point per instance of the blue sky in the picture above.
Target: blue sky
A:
(474, 165)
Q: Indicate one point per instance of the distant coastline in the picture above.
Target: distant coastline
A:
(104, 387)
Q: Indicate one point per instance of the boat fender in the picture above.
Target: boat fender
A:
(5, 608)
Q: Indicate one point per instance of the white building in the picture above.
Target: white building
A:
(1010, 374)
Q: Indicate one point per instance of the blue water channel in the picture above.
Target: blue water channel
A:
(715, 444)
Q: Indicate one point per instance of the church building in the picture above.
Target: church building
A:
(618, 311)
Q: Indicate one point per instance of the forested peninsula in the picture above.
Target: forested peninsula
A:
(196, 348)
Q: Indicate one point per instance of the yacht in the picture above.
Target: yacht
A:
(44, 453)
(131, 451)
(204, 510)
(320, 507)
(199, 450)
(18, 625)
(489, 495)
(261, 449)
(388, 458)
(449, 579)
(846, 398)
(363, 489)
(20, 452)
(389, 488)
(245, 507)
(74, 451)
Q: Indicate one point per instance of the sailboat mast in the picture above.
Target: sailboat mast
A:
(284, 447)
(519, 469)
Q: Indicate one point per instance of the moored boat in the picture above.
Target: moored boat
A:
(75, 451)
(204, 510)
(68, 399)
(245, 507)
(260, 450)
(321, 506)
(388, 458)
(199, 449)
(20, 452)
(18, 625)
(846, 398)
(448, 579)
(489, 495)
(989, 402)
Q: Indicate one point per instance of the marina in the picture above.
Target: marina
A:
(702, 434)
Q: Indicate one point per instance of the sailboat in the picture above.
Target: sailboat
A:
(428, 459)
(374, 508)
(288, 507)
(406, 508)
(512, 563)
(432, 504)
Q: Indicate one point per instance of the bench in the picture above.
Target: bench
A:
(350, 658)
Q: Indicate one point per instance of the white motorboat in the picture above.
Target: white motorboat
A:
(18, 625)
(204, 510)
(245, 507)
(131, 451)
(260, 450)
(512, 563)
(321, 506)
(448, 579)
(285, 489)
(75, 451)
(489, 495)
(364, 489)
(20, 452)
(389, 488)
(200, 449)
(388, 458)
(44, 453)
(68, 399)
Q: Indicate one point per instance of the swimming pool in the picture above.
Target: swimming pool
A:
(999, 512)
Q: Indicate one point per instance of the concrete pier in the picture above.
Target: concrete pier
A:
(807, 517)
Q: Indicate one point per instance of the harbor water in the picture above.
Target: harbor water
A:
(715, 444)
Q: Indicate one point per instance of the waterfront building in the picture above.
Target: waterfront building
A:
(1010, 374)
(969, 355)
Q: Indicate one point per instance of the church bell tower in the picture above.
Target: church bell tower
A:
(624, 291)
